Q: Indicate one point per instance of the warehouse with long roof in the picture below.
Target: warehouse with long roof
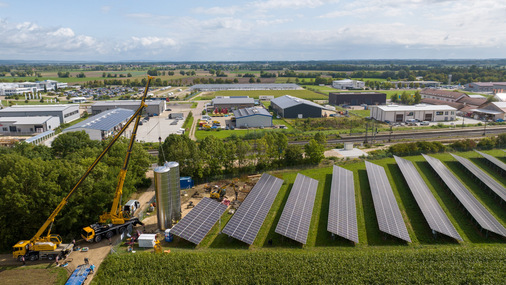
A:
(254, 117)
(292, 107)
(103, 125)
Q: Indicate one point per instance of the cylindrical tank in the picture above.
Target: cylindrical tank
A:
(174, 190)
(168, 197)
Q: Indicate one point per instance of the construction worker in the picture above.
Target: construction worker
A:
(92, 268)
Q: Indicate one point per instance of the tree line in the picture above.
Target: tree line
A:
(211, 157)
(34, 179)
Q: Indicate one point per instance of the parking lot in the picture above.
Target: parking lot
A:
(162, 126)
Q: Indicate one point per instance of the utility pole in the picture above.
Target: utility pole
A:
(366, 129)
(485, 127)
(391, 131)
(351, 126)
(463, 118)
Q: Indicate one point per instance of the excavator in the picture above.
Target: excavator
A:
(50, 245)
(117, 221)
(219, 193)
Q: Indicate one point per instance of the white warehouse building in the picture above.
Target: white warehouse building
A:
(66, 113)
(348, 84)
(103, 125)
(420, 112)
(27, 125)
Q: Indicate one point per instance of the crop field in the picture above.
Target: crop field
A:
(304, 94)
(377, 258)
(443, 265)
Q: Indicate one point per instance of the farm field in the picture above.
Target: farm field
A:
(327, 259)
(304, 94)
(381, 265)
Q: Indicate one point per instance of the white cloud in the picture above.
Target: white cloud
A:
(294, 4)
(218, 10)
(105, 9)
(3, 5)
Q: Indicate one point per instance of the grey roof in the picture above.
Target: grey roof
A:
(104, 121)
(127, 102)
(37, 108)
(251, 111)
(235, 100)
(26, 120)
(255, 86)
(288, 101)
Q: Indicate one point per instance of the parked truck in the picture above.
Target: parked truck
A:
(42, 250)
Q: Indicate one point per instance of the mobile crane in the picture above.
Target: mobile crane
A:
(50, 245)
(116, 221)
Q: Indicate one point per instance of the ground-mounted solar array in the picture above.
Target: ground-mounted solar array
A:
(199, 221)
(431, 210)
(342, 209)
(296, 216)
(493, 160)
(491, 183)
(387, 211)
(479, 213)
(249, 217)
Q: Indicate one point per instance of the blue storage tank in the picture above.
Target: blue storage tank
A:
(186, 182)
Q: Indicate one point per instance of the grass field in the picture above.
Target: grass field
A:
(377, 258)
(304, 94)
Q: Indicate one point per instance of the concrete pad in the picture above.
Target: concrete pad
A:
(354, 153)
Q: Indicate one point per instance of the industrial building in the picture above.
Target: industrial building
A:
(66, 113)
(357, 98)
(292, 107)
(486, 87)
(444, 95)
(154, 107)
(232, 102)
(8, 89)
(103, 125)
(27, 125)
(493, 110)
(348, 84)
(254, 117)
(420, 112)
(256, 86)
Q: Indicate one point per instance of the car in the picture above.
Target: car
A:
(168, 109)
(424, 123)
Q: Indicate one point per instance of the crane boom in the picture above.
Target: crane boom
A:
(116, 214)
(51, 218)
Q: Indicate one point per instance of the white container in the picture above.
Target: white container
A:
(147, 240)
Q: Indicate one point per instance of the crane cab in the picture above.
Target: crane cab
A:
(20, 249)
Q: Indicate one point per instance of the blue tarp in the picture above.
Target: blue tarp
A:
(79, 275)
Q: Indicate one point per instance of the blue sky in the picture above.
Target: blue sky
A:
(251, 30)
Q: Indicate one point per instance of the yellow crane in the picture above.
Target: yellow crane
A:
(117, 221)
(50, 245)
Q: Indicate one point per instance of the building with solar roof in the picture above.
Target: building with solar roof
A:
(292, 107)
(256, 86)
(66, 113)
(154, 107)
(253, 117)
(103, 125)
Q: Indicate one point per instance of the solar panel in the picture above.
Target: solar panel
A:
(484, 177)
(387, 211)
(199, 221)
(436, 218)
(494, 160)
(470, 203)
(296, 217)
(342, 209)
(249, 217)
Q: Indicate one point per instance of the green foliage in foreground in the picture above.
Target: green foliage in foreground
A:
(442, 265)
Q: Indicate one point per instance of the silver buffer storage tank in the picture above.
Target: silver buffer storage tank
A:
(168, 195)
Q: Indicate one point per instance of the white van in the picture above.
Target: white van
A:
(131, 206)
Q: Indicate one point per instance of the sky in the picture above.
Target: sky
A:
(254, 30)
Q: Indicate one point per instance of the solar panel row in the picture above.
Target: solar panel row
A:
(470, 203)
(342, 209)
(491, 183)
(249, 217)
(296, 217)
(431, 210)
(199, 221)
(387, 211)
(494, 160)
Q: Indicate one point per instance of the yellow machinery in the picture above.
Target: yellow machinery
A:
(50, 245)
(117, 221)
(219, 193)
